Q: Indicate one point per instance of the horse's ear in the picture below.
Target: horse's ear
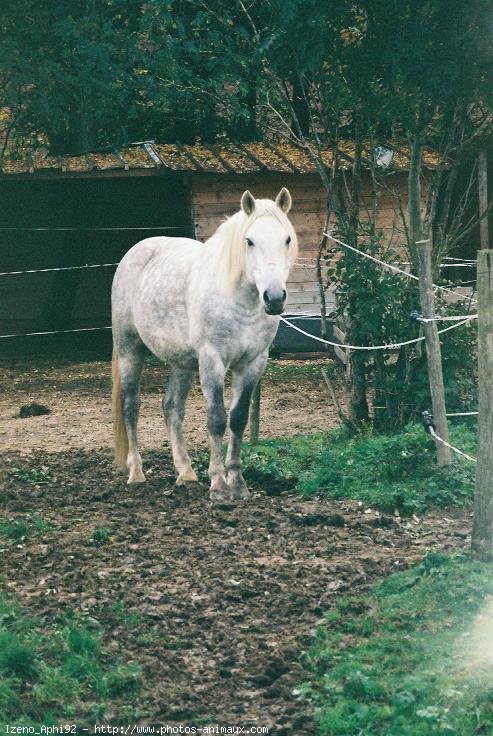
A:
(247, 202)
(283, 200)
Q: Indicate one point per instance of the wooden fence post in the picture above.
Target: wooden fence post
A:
(482, 533)
(255, 415)
(433, 352)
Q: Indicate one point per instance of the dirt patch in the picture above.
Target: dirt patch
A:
(78, 397)
(214, 605)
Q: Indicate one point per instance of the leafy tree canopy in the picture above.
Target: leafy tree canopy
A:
(82, 74)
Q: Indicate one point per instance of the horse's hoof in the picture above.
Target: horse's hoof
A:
(220, 491)
(136, 476)
(188, 476)
(238, 487)
(222, 498)
(240, 493)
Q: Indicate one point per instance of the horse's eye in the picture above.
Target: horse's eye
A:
(249, 242)
(288, 240)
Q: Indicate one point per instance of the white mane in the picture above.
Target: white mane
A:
(228, 246)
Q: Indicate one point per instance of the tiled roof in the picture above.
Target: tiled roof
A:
(224, 158)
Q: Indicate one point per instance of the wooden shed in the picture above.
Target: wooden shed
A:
(75, 212)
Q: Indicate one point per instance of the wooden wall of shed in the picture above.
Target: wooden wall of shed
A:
(216, 197)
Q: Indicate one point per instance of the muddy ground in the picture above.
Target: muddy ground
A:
(215, 605)
(78, 395)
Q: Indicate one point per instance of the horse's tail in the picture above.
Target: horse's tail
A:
(120, 437)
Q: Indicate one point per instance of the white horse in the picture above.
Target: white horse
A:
(211, 306)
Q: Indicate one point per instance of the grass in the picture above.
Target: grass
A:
(55, 672)
(400, 661)
(301, 371)
(385, 472)
(19, 529)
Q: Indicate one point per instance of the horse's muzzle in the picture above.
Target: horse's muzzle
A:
(274, 301)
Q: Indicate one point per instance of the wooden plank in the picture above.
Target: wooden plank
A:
(223, 207)
(343, 355)
(302, 297)
(207, 186)
(304, 228)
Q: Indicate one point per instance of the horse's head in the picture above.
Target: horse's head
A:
(271, 247)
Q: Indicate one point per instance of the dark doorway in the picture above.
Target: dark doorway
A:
(82, 222)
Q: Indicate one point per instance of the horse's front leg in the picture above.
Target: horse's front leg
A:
(244, 381)
(212, 372)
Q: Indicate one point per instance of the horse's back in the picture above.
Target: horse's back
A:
(149, 293)
(145, 251)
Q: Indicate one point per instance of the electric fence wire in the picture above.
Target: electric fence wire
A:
(396, 269)
(451, 447)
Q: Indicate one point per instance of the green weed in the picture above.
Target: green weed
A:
(124, 616)
(14, 529)
(18, 529)
(392, 471)
(32, 476)
(100, 536)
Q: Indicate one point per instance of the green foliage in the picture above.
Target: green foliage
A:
(68, 71)
(16, 660)
(460, 365)
(378, 304)
(391, 472)
(385, 472)
(392, 664)
(106, 72)
(100, 536)
(57, 673)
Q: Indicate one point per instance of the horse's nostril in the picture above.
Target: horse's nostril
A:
(284, 294)
(266, 297)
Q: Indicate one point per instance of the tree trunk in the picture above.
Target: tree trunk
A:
(320, 275)
(484, 235)
(433, 353)
(300, 107)
(358, 403)
(414, 198)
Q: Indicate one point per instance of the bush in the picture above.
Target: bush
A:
(391, 472)
(377, 305)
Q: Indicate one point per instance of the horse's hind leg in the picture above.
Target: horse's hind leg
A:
(179, 384)
(131, 360)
